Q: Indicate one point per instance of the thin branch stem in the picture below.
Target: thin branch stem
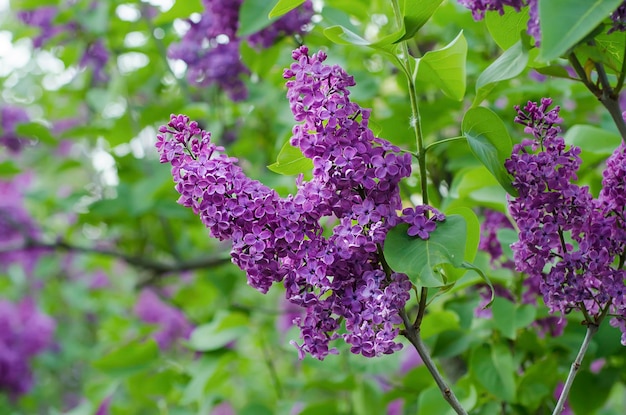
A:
(592, 329)
(157, 267)
(416, 121)
(606, 95)
(412, 334)
(622, 72)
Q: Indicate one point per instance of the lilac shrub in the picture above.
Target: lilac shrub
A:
(25, 332)
(337, 276)
(571, 246)
(210, 48)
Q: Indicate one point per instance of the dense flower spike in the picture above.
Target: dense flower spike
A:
(210, 48)
(24, 333)
(568, 241)
(489, 242)
(334, 278)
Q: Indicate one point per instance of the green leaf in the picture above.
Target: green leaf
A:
(219, 333)
(470, 266)
(284, 6)
(343, 36)
(8, 169)
(417, 257)
(437, 322)
(131, 358)
(179, 10)
(564, 23)
(35, 130)
(505, 29)
(446, 67)
(416, 14)
(590, 391)
(290, 161)
(510, 64)
(251, 16)
(509, 317)
(592, 139)
(493, 368)
(490, 142)
(537, 383)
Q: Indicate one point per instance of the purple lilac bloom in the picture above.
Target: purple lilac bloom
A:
(291, 23)
(619, 19)
(210, 48)
(25, 332)
(223, 408)
(209, 61)
(479, 7)
(489, 242)
(96, 56)
(333, 278)
(568, 241)
(10, 117)
(172, 323)
(43, 18)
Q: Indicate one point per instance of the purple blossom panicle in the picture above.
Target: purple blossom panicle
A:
(42, 18)
(210, 48)
(489, 242)
(290, 24)
(96, 56)
(619, 19)
(336, 276)
(173, 324)
(10, 117)
(479, 7)
(568, 241)
(25, 332)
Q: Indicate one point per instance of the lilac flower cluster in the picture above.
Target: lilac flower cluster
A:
(25, 332)
(10, 117)
(337, 276)
(479, 7)
(210, 48)
(43, 18)
(619, 19)
(569, 243)
(95, 55)
(172, 323)
(489, 242)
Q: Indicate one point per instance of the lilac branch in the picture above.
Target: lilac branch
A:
(156, 267)
(413, 335)
(592, 329)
